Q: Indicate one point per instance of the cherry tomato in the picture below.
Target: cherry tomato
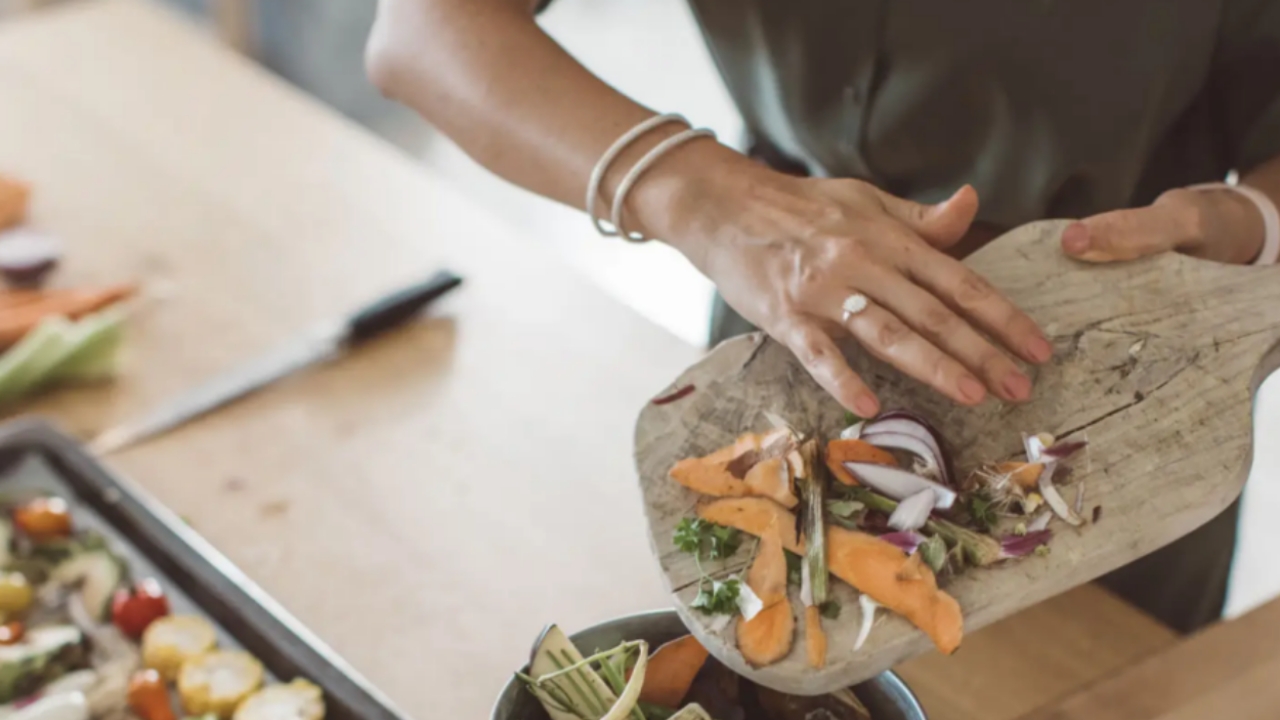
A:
(149, 696)
(133, 610)
(12, 633)
(44, 518)
(15, 593)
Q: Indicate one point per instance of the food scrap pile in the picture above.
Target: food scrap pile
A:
(49, 336)
(82, 640)
(880, 508)
(680, 681)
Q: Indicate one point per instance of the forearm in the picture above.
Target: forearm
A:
(486, 75)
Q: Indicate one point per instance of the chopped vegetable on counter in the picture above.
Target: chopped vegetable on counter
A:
(133, 610)
(216, 682)
(172, 640)
(27, 256)
(41, 656)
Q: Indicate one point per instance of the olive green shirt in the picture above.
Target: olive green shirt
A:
(1050, 108)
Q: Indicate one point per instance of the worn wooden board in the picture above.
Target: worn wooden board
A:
(1156, 365)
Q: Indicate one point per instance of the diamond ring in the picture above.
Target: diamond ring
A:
(853, 305)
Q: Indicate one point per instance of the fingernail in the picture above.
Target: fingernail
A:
(866, 406)
(1075, 239)
(972, 390)
(1017, 386)
(1040, 350)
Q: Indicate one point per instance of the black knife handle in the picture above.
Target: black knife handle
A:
(393, 310)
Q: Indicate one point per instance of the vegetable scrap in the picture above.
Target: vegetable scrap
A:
(679, 681)
(880, 507)
(675, 395)
(50, 337)
(82, 638)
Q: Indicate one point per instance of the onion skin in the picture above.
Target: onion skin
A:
(899, 484)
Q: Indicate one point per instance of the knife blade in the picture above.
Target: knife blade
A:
(323, 343)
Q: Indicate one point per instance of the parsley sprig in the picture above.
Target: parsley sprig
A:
(703, 539)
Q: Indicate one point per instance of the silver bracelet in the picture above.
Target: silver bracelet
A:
(602, 165)
(1270, 219)
(639, 169)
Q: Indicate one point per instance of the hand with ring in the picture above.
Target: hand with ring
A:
(807, 260)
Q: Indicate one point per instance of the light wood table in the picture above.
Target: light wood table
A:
(427, 505)
(1231, 670)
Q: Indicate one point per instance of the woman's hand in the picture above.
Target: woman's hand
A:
(785, 252)
(1218, 225)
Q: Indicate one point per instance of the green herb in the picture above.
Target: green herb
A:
(716, 597)
(845, 508)
(934, 552)
(793, 568)
(983, 511)
(1042, 550)
(830, 609)
(706, 540)
(851, 418)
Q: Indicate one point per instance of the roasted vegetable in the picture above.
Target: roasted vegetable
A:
(149, 696)
(41, 656)
(132, 610)
(216, 682)
(297, 700)
(15, 593)
(170, 641)
(45, 518)
(98, 573)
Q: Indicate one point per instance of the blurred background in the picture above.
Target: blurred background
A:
(651, 50)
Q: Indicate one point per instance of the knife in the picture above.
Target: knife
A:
(325, 342)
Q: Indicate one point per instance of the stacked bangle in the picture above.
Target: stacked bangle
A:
(1270, 219)
(633, 175)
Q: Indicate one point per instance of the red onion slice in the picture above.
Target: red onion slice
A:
(922, 446)
(1022, 545)
(907, 541)
(1056, 503)
(900, 484)
(1064, 450)
(27, 256)
(913, 513)
(902, 421)
(868, 608)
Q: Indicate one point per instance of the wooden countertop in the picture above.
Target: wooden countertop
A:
(427, 505)
(1230, 670)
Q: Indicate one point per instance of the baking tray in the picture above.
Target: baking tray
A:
(36, 456)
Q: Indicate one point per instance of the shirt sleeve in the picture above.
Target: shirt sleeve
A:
(1246, 81)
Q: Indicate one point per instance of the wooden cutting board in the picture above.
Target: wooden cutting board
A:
(1156, 365)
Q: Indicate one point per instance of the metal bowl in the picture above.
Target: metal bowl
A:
(885, 695)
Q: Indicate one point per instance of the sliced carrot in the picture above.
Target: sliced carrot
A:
(840, 452)
(14, 195)
(815, 640)
(768, 574)
(671, 670)
(17, 321)
(725, 472)
(708, 478)
(754, 516)
(880, 570)
(1025, 475)
(772, 479)
(868, 563)
(767, 638)
(16, 298)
